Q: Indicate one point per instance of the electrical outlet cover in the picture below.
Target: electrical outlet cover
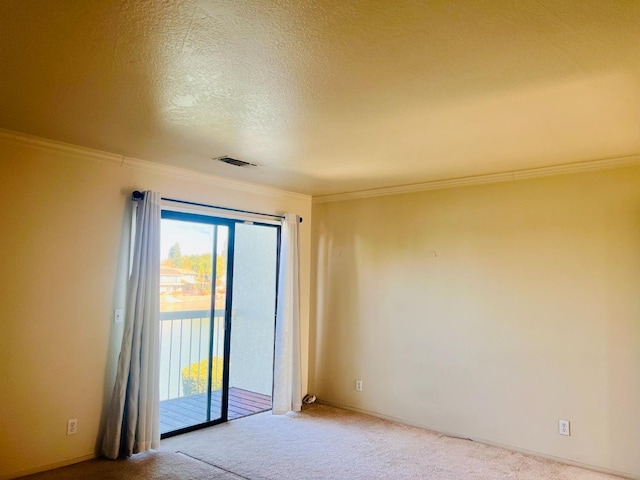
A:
(564, 427)
(72, 426)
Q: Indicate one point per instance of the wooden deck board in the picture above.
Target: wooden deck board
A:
(251, 401)
(186, 411)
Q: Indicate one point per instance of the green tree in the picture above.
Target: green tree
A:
(221, 266)
(175, 256)
(199, 263)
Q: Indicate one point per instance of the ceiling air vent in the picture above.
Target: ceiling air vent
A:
(234, 161)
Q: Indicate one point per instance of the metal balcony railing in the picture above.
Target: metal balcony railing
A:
(185, 338)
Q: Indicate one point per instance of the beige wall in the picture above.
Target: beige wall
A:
(64, 240)
(488, 312)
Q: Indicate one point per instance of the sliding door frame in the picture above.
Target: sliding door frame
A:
(171, 214)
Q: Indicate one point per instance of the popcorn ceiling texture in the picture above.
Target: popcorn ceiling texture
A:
(328, 96)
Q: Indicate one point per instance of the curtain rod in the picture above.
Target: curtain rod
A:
(137, 195)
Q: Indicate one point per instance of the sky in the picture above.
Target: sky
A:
(194, 238)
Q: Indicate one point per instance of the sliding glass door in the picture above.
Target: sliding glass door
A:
(217, 314)
(252, 319)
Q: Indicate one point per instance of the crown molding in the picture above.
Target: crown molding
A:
(191, 175)
(124, 161)
(210, 179)
(60, 147)
(589, 166)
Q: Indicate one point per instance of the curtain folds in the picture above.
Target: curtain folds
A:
(133, 420)
(287, 388)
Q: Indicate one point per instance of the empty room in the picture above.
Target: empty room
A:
(323, 239)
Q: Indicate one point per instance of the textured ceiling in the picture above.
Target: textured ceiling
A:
(328, 96)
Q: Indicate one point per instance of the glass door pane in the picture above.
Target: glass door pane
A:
(252, 319)
(193, 280)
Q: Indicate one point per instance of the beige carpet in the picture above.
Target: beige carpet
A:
(323, 443)
(153, 465)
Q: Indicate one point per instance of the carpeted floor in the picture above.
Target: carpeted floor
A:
(323, 442)
(153, 465)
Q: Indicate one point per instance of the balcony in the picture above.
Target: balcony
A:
(186, 340)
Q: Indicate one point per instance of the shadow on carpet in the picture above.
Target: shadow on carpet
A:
(161, 465)
(323, 442)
